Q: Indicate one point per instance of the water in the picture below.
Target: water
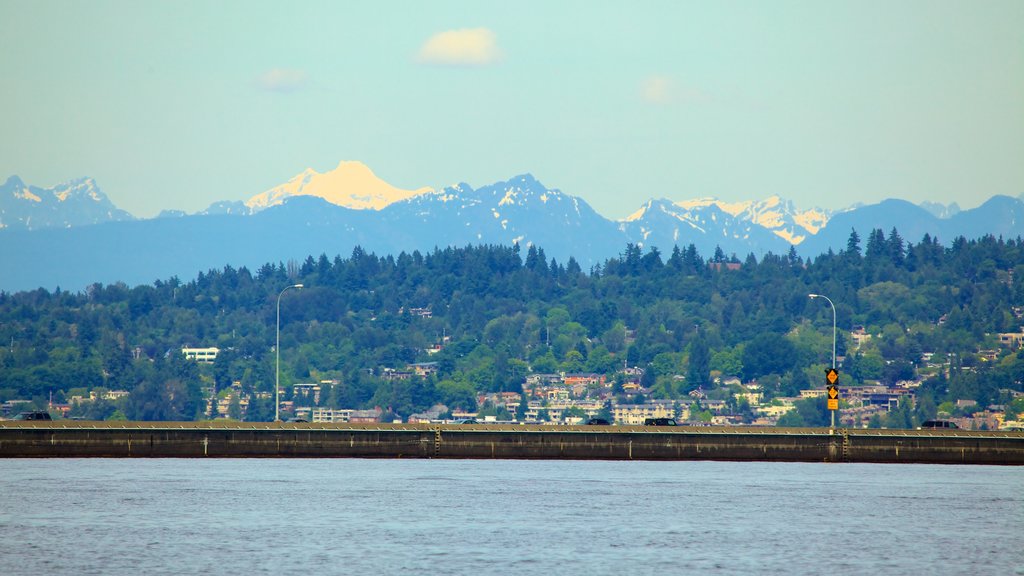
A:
(121, 517)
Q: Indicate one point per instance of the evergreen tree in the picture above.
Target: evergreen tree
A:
(698, 370)
(853, 244)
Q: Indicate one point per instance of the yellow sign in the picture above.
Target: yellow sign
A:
(832, 376)
(833, 398)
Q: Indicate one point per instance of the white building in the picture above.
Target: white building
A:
(201, 355)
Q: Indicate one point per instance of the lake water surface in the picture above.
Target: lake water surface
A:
(507, 517)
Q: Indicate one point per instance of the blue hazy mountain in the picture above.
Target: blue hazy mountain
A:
(1000, 216)
(520, 210)
(46, 243)
(911, 221)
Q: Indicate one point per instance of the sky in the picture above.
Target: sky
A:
(176, 105)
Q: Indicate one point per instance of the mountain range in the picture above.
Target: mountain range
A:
(72, 235)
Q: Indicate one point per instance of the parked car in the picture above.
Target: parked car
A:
(466, 421)
(660, 422)
(34, 415)
(598, 422)
(297, 420)
(932, 424)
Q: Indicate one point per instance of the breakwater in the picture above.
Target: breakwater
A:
(74, 439)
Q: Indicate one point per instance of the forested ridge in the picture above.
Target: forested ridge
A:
(499, 313)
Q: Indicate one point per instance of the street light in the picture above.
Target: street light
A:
(277, 376)
(813, 296)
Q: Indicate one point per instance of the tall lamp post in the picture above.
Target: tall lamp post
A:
(829, 300)
(277, 375)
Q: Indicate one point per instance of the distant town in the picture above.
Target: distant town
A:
(574, 398)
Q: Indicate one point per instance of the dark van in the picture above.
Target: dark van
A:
(34, 415)
(660, 422)
(935, 424)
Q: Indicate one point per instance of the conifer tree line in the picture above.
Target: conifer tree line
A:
(499, 313)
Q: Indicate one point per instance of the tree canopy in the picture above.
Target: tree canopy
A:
(488, 317)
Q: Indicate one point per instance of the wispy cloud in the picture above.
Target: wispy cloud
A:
(664, 90)
(282, 80)
(465, 47)
(656, 90)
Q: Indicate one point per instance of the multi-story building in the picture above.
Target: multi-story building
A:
(331, 414)
(635, 414)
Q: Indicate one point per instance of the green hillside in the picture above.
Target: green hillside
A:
(489, 316)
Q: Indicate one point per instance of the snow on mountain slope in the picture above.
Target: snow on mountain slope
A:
(351, 184)
(75, 203)
(774, 213)
(520, 210)
(705, 224)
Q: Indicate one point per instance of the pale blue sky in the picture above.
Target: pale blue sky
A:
(180, 104)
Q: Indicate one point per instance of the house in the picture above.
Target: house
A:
(201, 355)
(888, 399)
(543, 379)
(393, 374)
(859, 336)
(365, 416)
(558, 394)
(463, 415)
(418, 312)
(726, 420)
(509, 400)
(716, 406)
(585, 379)
(989, 355)
(112, 395)
(431, 415)
(1013, 340)
(423, 369)
(579, 383)
(774, 410)
(752, 398)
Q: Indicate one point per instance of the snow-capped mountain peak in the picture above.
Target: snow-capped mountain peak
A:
(74, 203)
(774, 213)
(351, 184)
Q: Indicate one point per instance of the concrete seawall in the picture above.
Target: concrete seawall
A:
(65, 439)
